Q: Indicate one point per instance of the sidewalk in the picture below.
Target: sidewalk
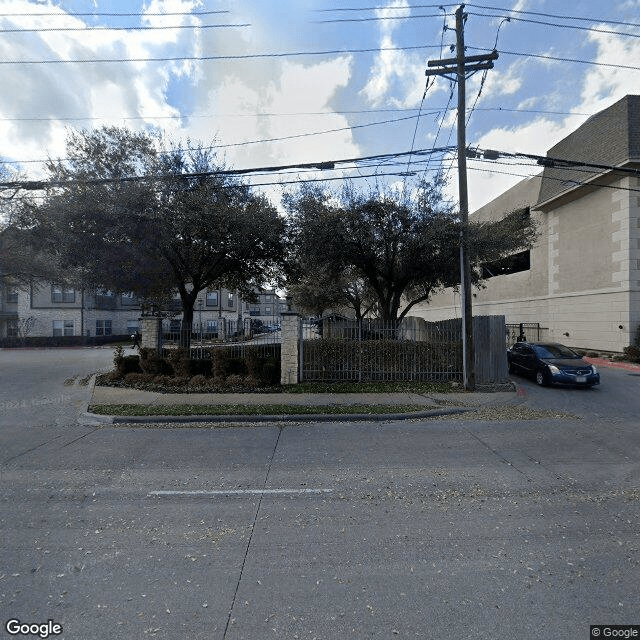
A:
(435, 404)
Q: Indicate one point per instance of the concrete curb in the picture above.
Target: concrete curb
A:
(99, 419)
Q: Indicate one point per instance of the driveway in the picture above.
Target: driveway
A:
(453, 528)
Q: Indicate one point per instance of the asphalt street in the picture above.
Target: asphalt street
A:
(447, 528)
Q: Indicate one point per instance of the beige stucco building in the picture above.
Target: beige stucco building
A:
(581, 281)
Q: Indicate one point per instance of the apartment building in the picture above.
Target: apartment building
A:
(54, 310)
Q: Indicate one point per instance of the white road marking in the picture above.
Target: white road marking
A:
(227, 492)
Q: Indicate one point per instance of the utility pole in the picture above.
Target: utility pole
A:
(457, 69)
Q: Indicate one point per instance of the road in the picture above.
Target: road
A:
(447, 528)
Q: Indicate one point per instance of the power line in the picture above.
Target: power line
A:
(40, 184)
(276, 139)
(398, 7)
(559, 59)
(113, 15)
(378, 18)
(555, 16)
(247, 56)
(562, 26)
(137, 28)
(282, 114)
(480, 6)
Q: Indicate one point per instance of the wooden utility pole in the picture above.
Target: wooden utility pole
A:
(457, 69)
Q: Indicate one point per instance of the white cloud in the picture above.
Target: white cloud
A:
(305, 92)
(391, 68)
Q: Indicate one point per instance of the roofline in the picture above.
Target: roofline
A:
(586, 183)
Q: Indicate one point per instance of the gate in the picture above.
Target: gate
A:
(532, 331)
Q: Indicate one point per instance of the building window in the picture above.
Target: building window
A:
(59, 294)
(103, 327)
(63, 327)
(12, 328)
(511, 264)
(267, 311)
(12, 296)
(212, 326)
(132, 326)
(230, 300)
(212, 298)
(129, 298)
(254, 310)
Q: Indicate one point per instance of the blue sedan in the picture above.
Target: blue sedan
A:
(551, 363)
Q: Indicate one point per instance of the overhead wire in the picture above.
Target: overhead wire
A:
(245, 56)
(135, 28)
(486, 71)
(136, 14)
(554, 15)
(446, 110)
(562, 26)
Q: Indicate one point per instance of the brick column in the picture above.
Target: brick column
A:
(151, 329)
(291, 328)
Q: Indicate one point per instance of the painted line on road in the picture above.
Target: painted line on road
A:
(227, 492)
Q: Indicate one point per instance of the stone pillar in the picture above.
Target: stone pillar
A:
(291, 330)
(151, 329)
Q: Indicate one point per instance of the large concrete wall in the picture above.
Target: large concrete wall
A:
(584, 280)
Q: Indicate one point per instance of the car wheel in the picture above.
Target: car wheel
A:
(541, 378)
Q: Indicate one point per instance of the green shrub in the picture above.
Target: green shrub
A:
(271, 371)
(152, 362)
(198, 381)
(133, 378)
(180, 363)
(220, 365)
(337, 359)
(118, 357)
(200, 367)
(632, 354)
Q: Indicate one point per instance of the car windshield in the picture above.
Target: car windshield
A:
(554, 351)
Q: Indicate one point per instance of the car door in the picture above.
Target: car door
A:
(527, 359)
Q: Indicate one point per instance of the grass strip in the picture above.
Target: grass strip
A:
(248, 410)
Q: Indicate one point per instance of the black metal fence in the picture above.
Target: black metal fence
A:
(530, 331)
(338, 349)
(201, 338)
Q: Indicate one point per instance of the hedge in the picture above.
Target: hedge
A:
(371, 360)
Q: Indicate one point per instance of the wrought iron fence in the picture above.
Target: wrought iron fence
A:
(201, 338)
(336, 349)
(530, 331)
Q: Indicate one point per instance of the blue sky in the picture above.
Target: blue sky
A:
(264, 108)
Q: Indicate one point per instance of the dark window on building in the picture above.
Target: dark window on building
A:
(511, 264)
(58, 294)
(103, 327)
(212, 298)
(12, 296)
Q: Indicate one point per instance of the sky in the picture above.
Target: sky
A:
(289, 82)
